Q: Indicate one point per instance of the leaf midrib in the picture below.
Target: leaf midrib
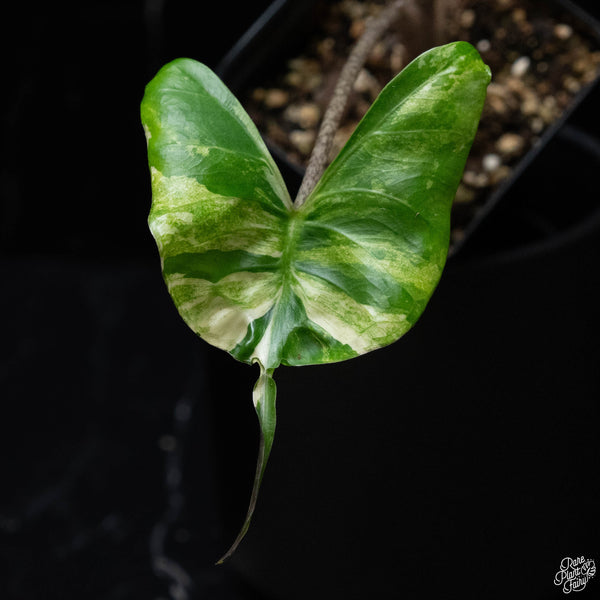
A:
(290, 243)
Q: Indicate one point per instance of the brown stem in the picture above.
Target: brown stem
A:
(358, 55)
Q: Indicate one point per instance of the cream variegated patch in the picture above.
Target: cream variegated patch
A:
(221, 312)
(361, 327)
(171, 193)
(213, 221)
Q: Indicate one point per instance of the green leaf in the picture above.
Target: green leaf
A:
(349, 271)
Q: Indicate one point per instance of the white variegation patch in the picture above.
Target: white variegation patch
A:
(170, 193)
(217, 222)
(263, 348)
(169, 223)
(221, 312)
(361, 327)
(223, 323)
(201, 150)
(416, 273)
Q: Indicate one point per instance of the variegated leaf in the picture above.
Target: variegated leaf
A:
(349, 271)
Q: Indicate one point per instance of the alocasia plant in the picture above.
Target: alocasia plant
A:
(348, 271)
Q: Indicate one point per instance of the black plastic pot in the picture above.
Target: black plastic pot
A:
(281, 32)
(460, 461)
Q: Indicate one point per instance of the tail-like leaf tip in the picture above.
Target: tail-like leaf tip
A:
(264, 396)
(234, 546)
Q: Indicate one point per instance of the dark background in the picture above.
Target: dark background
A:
(128, 445)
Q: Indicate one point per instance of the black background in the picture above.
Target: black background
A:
(114, 413)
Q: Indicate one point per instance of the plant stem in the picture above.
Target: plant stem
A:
(333, 114)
